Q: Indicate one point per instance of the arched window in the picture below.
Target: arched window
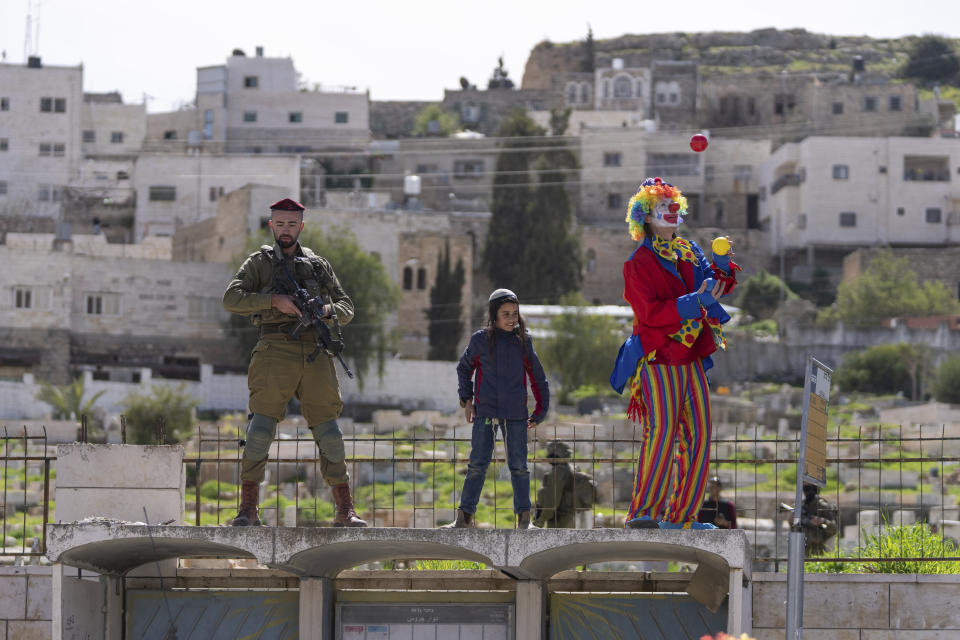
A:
(623, 87)
(591, 260)
(584, 93)
(571, 93)
(421, 278)
(407, 278)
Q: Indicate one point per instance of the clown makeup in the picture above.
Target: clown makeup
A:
(666, 213)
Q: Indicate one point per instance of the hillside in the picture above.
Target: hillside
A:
(772, 50)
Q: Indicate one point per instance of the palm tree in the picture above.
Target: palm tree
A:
(67, 401)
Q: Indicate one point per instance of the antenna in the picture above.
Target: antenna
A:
(31, 42)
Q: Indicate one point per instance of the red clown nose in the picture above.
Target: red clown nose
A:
(674, 207)
(698, 142)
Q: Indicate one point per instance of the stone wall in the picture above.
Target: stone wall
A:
(849, 606)
(394, 119)
(25, 602)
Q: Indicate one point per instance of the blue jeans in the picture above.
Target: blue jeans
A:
(515, 437)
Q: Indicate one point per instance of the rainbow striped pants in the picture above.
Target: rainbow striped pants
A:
(675, 401)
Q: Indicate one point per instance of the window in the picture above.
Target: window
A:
(215, 192)
(421, 278)
(801, 221)
(123, 175)
(933, 215)
(622, 87)
(3, 187)
(591, 260)
(423, 169)
(45, 149)
(60, 105)
(673, 164)
(27, 297)
(841, 172)
(163, 193)
(116, 137)
(59, 150)
(407, 278)
(614, 201)
(170, 134)
(926, 168)
(208, 124)
(249, 116)
(341, 117)
(46, 105)
(784, 102)
(467, 168)
(661, 97)
(296, 116)
(742, 172)
(4, 144)
(89, 135)
(869, 103)
(612, 159)
(571, 93)
(673, 97)
(250, 82)
(4, 104)
(584, 93)
(838, 108)
(895, 103)
(43, 192)
(848, 219)
(102, 304)
(709, 171)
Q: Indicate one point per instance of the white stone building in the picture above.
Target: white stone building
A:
(836, 192)
(175, 189)
(41, 111)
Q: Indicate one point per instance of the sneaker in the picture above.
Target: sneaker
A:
(642, 522)
(692, 526)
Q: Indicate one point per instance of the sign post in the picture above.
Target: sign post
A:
(811, 469)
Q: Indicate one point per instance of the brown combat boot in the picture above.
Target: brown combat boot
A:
(346, 516)
(249, 499)
(523, 521)
(464, 521)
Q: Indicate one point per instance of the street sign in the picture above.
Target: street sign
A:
(813, 426)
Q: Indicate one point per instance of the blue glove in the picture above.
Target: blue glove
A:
(722, 261)
(706, 298)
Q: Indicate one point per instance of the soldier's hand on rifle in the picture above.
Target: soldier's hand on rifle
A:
(284, 304)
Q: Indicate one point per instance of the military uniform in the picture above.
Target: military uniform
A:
(555, 508)
(817, 536)
(279, 369)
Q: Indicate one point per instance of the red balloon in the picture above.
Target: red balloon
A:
(698, 142)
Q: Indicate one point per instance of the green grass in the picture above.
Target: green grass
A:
(911, 541)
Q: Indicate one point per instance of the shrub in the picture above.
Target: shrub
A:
(144, 410)
(885, 368)
(917, 540)
(760, 295)
(946, 385)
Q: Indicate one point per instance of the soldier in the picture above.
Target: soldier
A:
(818, 517)
(279, 369)
(555, 508)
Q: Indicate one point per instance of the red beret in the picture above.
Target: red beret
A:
(286, 205)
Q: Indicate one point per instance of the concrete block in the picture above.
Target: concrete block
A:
(939, 513)
(868, 517)
(13, 595)
(80, 606)
(825, 605)
(29, 630)
(39, 596)
(902, 517)
(938, 611)
(120, 504)
(115, 465)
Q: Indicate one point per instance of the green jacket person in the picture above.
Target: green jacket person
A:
(279, 369)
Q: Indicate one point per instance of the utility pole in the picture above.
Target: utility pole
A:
(31, 41)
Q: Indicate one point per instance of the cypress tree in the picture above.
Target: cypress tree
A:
(444, 314)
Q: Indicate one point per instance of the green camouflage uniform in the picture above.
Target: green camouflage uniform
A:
(554, 507)
(816, 537)
(278, 365)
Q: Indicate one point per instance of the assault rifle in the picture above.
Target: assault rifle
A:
(311, 310)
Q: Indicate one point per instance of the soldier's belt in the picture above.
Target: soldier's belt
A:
(286, 328)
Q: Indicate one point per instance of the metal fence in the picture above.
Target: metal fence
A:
(879, 476)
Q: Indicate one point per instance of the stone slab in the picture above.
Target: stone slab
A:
(939, 610)
(13, 596)
(29, 630)
(120, 465)
(826, 605)
(127, 505)
(39, 597)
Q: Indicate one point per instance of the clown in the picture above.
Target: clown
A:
(677, 319)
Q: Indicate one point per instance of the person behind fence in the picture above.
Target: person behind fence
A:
(563, 492)
(492, 383)
(280, 368)
(715, 510)
(677, 320)
(818, 518)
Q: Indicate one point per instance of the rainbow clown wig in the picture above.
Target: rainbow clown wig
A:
(653, 192)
